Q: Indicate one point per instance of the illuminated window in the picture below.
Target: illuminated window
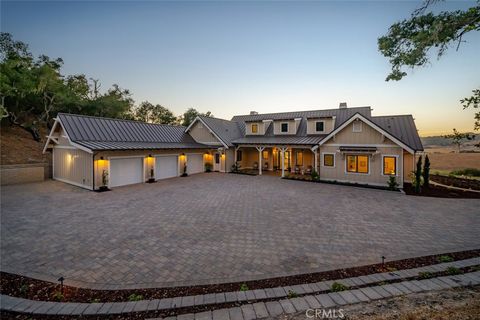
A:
(319, 126)
(389, 165)
(357, 164)
(299, 158)
(328, 160)
(357, 126)
(254, 128)
(284, 127)
(265, 154)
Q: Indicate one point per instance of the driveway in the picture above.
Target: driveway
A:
(217, 228)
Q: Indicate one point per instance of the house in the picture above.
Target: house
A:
(343, 144)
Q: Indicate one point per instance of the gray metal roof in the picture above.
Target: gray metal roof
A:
(401, 127)
(98, 133)
(226, 130)
(301, 137)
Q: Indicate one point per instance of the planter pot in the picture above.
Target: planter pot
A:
(102, 189)
(151, 180)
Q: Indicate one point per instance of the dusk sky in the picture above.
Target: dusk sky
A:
(234, 57)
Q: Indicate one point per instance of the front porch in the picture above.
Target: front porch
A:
(277, 160)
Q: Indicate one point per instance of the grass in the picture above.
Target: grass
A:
(336, 287)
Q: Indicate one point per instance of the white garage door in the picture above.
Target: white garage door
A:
(125, 171)
(194, 163)
(166, 167)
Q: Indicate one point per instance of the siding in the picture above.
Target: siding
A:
(261, 128)
(292, 127)
(73, 166)
(202, 135)
(328, 126)
(366, 137)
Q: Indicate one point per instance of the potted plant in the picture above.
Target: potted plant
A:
(184, 174)
(104, 186)
(152, 174)
(208, 167)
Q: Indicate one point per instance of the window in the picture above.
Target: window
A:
(357, 126)
(254, 128)
(217, 158)
(299, 160)
(389, 165)
(328, 160)
(319, 126)
(357, 163)
(265, 155)
(239, 155)
(284, 127)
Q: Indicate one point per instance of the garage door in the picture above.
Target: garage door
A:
(125, 171)
(166, 167)
(194, 163)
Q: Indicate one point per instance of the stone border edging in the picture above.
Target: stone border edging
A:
(21, 305)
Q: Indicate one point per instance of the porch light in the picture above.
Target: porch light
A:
(150, 156)
(101, 158)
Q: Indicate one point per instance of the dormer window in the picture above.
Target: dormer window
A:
(319, 126)
(284, 127)
(357, 126)
(254, 128)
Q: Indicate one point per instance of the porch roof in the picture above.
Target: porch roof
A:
(280, 140)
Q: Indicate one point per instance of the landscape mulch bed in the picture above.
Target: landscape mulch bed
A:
(456, 182)
(19, 286)
(440, 192)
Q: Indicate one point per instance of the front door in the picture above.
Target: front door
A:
(216, 161)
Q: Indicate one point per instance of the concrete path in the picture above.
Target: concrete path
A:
(211, 228)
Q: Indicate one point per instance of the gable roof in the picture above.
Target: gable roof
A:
(403, 141)
(224, 130)
(96, 133)
(402, 127)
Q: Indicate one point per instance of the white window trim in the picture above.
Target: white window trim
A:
(334, 160)
(396, 164)
(323, 121)
(357, 173)
(288, 127)
(357, 122)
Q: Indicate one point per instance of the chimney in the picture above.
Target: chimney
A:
(253, 113)
(343, 105)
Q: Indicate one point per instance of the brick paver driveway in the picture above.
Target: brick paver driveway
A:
(219, 227)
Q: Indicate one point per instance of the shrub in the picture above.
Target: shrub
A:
(426, 172)
(336, 287)
(292, 294)
(244, 287)
(418, 176)
(235, 167)
(472, 172)
(425, 275)
(135, 297)
(392, 183)
(24, 289)
(453, 271)
(58, 296)
(445, 259)
(315, 176)
(96, 300)
(208, 167)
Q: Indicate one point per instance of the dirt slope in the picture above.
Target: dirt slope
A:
(18, 146)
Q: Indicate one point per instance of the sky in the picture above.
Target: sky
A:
(234, 57)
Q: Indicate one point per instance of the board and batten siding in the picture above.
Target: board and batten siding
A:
(73, 166)
(201, 134)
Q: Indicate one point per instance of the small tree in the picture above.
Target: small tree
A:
(392, 183)
(104, 178)
(418, 175)
(426, 172)
(458, 138)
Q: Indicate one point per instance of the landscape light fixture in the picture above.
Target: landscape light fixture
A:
(61, 284)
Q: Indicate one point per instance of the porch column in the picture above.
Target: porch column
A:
(260, 149)
(282, 150)
(235, 156)
(314, 150)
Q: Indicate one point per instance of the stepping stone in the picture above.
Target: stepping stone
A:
(300, 304)
(325, 300)
(248, 312)
(230, 297)
(259, 294)
(235, 313)
(165, 304)
(360, 295)
(187, 301)
(274, 308)
(279, 292)
(260, 310)
(384, 293)
(337, 298)
(220, 314)
(198, 300)
(348, 297)
(312, 302)
(93, 308)
(219, 298)
(206, 315)
(370, 293)
(241, 296)
(188, 316)
(287, 306)
(392, 290)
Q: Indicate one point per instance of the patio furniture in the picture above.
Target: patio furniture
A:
(297, 170)
(255, 165)
(265, 166)
(309, 170)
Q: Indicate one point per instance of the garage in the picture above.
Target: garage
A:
(166, 167)
(194, 163)
(125, 171)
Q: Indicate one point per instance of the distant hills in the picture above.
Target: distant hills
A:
(441, 141)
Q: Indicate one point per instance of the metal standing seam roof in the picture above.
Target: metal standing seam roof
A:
(226, 130)
(98, 133)
(401, 127)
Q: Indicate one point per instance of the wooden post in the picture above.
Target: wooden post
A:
(260, 149)
(283, 149)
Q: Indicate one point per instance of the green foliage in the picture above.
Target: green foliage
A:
(425, 275)
(453, 271)
(418, 176)
(336, 287)
(291, 294)
(244, 287)
(392, 183)
(445, 258)
(147, 112)
(315, 176)
(426, 172)
(474, 102)
(190, 115)
(472, 172)
(24, 289)
(458, 138)
(96, 300)
(208, 167)
(407, 43)
(58, 296)
(235, 167)
(135, 297)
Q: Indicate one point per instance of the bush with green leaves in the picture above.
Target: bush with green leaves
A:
(469, 172)
(58, 296)
(392, 183)
(135, 297)
(426, 172)
(453, 271)
(315, 176)
(336, 287)
(418, 176)
(208, 167)
(244, 287)
(445, 258)
(425, 275)
(292, 294)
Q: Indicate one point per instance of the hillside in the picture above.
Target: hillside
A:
(440, 141)
(18, 147)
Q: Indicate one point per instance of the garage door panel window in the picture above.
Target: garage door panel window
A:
(357, 164)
